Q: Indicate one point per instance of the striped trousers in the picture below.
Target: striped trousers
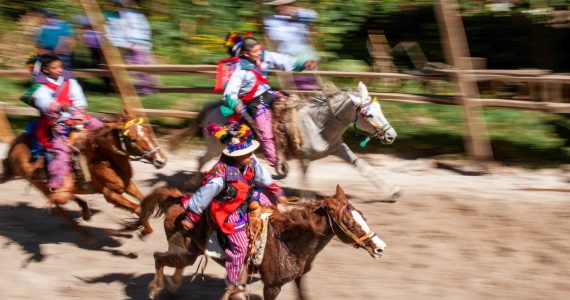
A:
(236, 251)
(264, 123)
(60, 164)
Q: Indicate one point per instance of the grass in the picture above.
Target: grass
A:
(518, 137)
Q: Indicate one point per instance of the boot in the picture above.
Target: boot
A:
(234, 292)
(60, 196)
(64, 193)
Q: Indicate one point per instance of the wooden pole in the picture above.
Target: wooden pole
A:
(6, 133)
(457, 55)
(112, 56)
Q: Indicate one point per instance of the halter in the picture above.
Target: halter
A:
(147, 154)
(358, 242)
(378, 130)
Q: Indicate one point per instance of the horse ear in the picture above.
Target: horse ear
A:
(363, 91)
(340, 195)
(332, 203)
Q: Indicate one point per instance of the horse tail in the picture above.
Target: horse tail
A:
(190, 132)
(154, 205)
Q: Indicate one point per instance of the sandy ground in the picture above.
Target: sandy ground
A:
(449, 237)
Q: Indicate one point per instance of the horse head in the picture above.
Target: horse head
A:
(350, 226)
(370, 117)
(136, 141)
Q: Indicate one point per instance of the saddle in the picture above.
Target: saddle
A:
(79, 164)
(285, 126)
(258, 220)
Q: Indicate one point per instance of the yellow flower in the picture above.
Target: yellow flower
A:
(220, 133)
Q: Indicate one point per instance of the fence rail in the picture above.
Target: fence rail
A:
(551, 84)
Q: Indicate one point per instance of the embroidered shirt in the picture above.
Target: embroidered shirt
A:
(202, 198)
(44, 96)
(242, 81)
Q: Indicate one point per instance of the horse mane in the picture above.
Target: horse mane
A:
(99, 137)
(109, 117)
(300, 216)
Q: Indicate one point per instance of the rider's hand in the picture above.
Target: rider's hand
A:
(282, 200)
(239, 109)
(65, 107)
(310, 64)
(187, 224)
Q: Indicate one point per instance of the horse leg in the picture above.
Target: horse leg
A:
(388, 189)
(173, 282)
(304, 166)
(271, 292)
(119, 200)
(134, 191)
(299, 284)
(157, 284)
(85, 211)
(174, 259)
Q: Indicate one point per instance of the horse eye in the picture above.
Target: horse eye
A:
(369, 116)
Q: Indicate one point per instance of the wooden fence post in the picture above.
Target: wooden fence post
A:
(112, 56)
(6, 133)
(457, 55)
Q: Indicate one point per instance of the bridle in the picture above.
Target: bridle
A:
(125, 140)
(378, 131)
(358, 242)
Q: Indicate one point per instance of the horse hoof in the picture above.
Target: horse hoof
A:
(171, 287)
(152, 295)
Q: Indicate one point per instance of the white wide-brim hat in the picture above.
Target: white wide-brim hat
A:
(254, 145)
(279, 2)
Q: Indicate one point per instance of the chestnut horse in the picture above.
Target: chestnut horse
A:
(294, 239)
(107, 152)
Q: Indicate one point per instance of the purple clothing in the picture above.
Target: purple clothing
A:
(236, 251)
(144, 82)
(91, 39)
(264, 123)
(60, 165)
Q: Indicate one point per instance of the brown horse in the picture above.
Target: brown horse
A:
(107, 152)
(294, 239)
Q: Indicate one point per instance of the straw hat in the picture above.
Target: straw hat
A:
(238, 138)
(279, 2)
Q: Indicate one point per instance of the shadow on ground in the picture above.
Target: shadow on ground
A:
(32, 227)
(136, 287)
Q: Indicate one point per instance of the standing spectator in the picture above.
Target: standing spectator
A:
(91, 39)
(288, 29)
(55, 35)
(130, 31)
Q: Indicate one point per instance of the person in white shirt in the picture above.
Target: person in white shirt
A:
(289, 30)
(62, 104)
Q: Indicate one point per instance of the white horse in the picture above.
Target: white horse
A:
(322, 122)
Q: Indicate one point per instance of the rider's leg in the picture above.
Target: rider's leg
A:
(265, 125)
(60, 165)
(236, 251)
(93, 124)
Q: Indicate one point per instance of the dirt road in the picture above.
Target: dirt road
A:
(449, 237)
